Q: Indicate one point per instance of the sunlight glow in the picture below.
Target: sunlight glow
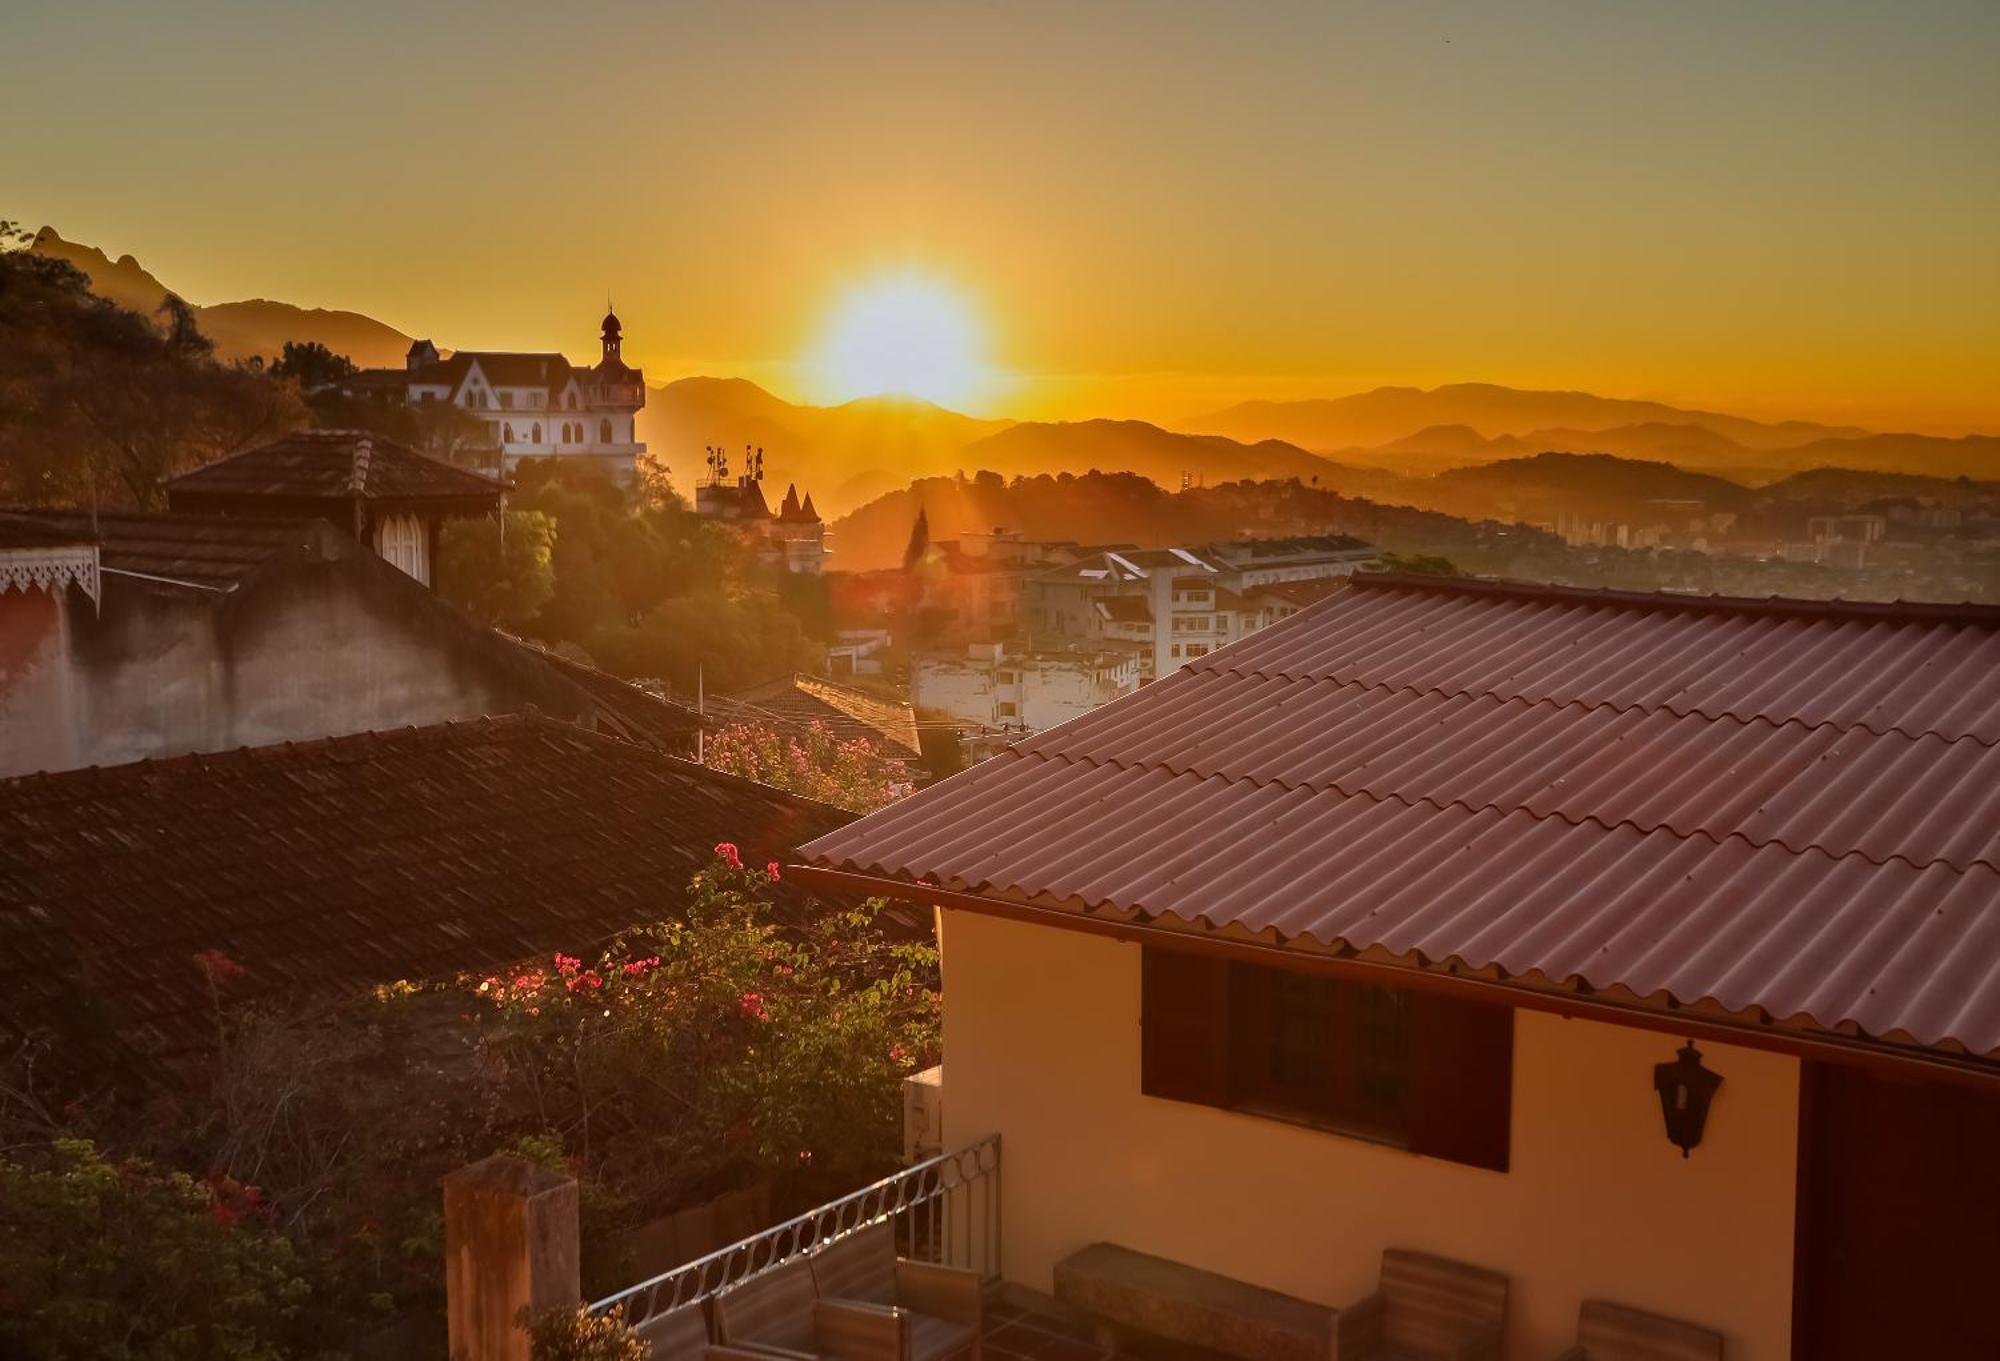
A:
(908, 334)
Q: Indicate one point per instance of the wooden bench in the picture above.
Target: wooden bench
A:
(1612, 1332)
(1132, 1291)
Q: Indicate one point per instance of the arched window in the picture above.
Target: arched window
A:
(507, 433)
(569, 402)
(604, 431)
(536, 437)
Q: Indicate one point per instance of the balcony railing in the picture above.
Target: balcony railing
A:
(945, 1209)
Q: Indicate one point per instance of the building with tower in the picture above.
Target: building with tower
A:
(536, 405)
(793, 538)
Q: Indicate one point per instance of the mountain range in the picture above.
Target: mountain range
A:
(253, 328)
(1390, 444)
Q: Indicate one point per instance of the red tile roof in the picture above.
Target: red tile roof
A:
(346, 862)
(1785, 811)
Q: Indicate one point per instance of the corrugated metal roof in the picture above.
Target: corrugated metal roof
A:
(1788, 809)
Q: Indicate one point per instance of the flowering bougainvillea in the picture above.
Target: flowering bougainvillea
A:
(695, 1053)
(811, 761)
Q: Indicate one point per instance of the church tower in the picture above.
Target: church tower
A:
(613, 339)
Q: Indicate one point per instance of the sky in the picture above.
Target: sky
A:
(1785, 208)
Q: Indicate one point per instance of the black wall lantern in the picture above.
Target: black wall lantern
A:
(1685, 1089)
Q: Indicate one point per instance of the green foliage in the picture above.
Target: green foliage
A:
(811, 761)
(98, 405)
(311, 364)
(698, 1055)
(579, 1335)
(124, 1261)
(500, 569)
(1420, 564)
(732, 640)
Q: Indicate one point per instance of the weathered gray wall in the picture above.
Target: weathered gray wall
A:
(315, 649)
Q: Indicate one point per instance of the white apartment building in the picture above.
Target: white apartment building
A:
(1208, 596)
(1010, 689)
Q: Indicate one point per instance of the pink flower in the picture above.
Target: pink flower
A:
(752, 1005)
(898, 1054)
(567, 964)
(218, 967)
(772, 870)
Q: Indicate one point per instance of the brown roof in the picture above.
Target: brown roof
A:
(211, 552)
(26, 531)
(848, 712)
(1785, 811)
(333, 466)
(349, 861)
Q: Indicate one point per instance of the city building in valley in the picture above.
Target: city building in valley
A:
(794, 538)
(1178, 604)
(1005, 688)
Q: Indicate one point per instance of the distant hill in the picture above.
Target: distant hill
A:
(1376, 417)
(1974, 456)
(844, 455)
(1165, 456)
(240, 330)
(1596, 486)
(1853, 487)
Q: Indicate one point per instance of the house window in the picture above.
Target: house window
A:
(569, 401)
(536, 435)
(1008, 709)
(1197, 649)
(507, 432)
(506, 401)
(1416, 1070)
(604, 432)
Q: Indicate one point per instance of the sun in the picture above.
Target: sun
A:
(908, 334)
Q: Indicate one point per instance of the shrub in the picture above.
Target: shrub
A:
(579, 1335)
(124, 1261)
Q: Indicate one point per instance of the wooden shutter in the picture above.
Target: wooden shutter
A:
(1461, 1079)
(1184, 1027)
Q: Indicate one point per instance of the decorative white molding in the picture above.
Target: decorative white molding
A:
(50, 569)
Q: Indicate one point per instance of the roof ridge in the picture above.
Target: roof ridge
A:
(1901, 611)
(364, 455)
(1504, 810)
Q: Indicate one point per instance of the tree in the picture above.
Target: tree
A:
(499, 569)
(98, 405)
(729, 641)
(311, 365)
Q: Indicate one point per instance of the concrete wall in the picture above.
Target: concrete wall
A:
(320, 649)
(1041, 1042)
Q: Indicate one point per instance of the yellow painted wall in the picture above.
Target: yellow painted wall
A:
(1041, 1041)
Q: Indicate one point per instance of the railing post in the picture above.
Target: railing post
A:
(510, 1240)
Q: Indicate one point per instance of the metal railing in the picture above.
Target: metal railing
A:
(946, 1209)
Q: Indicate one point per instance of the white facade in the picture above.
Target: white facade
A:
(1000, 689)
(541, 405)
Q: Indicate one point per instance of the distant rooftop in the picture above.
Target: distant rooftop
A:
(331, 466)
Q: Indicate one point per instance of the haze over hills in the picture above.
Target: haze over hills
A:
(1382, 444)
(1367, 419)
(255, 327)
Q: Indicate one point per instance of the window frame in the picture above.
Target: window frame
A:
(1204, 1020)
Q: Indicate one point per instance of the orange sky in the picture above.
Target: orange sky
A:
(1786, 209)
